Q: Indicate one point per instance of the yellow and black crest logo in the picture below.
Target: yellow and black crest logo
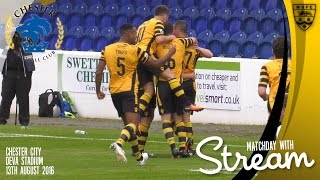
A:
(304, 15)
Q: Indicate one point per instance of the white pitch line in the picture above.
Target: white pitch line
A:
(223, 171)
(8, 135)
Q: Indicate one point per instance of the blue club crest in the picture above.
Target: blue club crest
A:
(35, 29)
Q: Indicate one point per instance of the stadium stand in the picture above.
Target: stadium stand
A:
(239, 20)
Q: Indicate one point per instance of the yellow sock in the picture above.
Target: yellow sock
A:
(144, 101)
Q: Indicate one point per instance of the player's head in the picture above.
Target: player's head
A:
(128, 33)
(180, 28)
(162, 13)
(168, 29)
(278, 47)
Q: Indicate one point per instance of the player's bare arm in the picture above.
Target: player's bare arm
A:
(205, 52)
(262, 91)
(161, 61)
(99, 72)
(164, 39)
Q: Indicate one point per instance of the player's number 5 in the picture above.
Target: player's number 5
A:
(121, 67)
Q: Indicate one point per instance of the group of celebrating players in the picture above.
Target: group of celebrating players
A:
(159, 55)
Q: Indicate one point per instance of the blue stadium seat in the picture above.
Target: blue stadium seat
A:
(123, 2)
(63, 18)
(258, 14)
(281, 6)
(105, 21)
(220, 4)
(92, 32)
(232, 49)
(172, 19)
(75, 2)
(75, 31)
(86, 44)
(207, 13)
(202, 43)
(112, 10)
(250, 25)
(188, 3)
(65, 9)
(96, 9)
(271, 37)
(127, 10)
(217, 48)
(55, 30)
(217, 25)
(52, 42)
(256, 37)
(176, 12)
(92, 2)
(192, 33)
(53, 6)
(274, 14)
(188, 20)
(205, 36)
(70, 44)
(242, 14)
(171, 3)
(204, 4)
(253, 4)
(267, 26)
(191, 12)
(222, 36)
(224, 13)
(143, 11)
(120, 21)
(155, 3)
(80, 9)
(237, 4)
(63, 2)
(101, 43)
(137, 21)
(201, 24)
(234, 25)
(90, 20)
(265, 50)
(239, 37)
(107, 33)
(74, 20)
(108, 2)
(270, 4)
(139, 3)
(248, 50)
(280, 27)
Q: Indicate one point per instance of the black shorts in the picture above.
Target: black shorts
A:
(189, 90)
(125, 102)
(152, 105)
(145, 73)
(167, 101)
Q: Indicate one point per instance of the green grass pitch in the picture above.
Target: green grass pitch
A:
(88, 157)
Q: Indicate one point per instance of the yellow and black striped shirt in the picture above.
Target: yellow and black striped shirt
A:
(190, 60)
(122, 60)
(270, 75)
(176, 62)
(147, 33)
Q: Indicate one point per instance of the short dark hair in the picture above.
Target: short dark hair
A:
(161, 10)
(278, 47)
(168, 29)
(125, 28)
(181, 25)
